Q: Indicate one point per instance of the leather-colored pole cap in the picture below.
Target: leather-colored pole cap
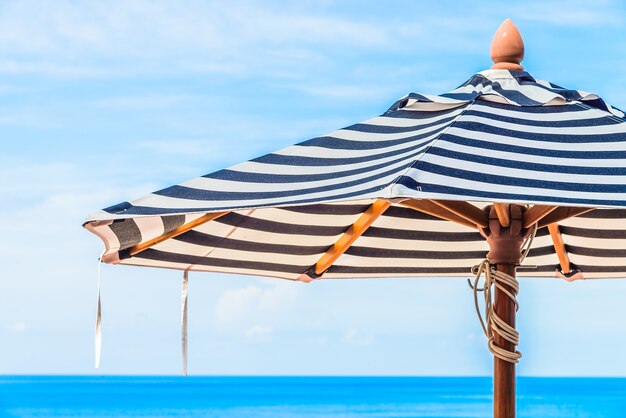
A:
(507, 47)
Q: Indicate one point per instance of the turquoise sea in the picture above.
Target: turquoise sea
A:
(282, 397)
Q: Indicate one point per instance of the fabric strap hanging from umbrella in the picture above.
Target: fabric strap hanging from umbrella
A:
(413, 192)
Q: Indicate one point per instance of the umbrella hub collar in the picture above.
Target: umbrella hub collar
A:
(505, 242)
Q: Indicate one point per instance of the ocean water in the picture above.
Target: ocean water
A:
(282, 397)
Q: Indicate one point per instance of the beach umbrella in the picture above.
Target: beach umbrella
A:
(503, 167)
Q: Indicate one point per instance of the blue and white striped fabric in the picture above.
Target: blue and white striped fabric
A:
(502, 136)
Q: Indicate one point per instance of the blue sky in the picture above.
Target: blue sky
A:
(100, 103)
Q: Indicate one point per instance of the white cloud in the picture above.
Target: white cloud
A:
(252, 303)
(70, 39)
(73, 39)
(258, 332)
(47, 205)
(569, 13)
(146, 102)
(356, 337)
(347, 92)
(18, 327)
(37, 65)
(192, 148)
(236, 303)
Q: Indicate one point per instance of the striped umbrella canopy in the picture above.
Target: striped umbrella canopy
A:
(384, 184)
(425, 189)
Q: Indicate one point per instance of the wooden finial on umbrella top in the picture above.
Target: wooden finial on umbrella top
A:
(507, 47)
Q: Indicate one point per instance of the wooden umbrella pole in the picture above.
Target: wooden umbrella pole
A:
(504, 371)
(505, 252)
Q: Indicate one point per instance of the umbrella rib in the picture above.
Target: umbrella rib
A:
(466, 211)
(502, 210)
(561, 213)
(559, 247)
(431, 208)
(536, 213)
(136, 249)
(347, 239)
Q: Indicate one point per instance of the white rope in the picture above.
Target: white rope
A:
(528, 242)
(184, 320)
(98, 336)
(491, 323)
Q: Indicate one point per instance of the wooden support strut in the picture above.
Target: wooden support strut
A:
(430, 208)
(562, 213)
(502, 210)
(347, 238)
(536, 213)
(466, 211)
(559, 248)
(136, 249)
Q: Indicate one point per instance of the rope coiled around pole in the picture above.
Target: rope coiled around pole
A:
(491, 323)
